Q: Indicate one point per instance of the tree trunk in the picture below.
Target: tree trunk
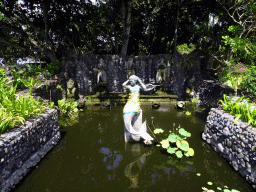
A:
(126, 20)
(176, 29)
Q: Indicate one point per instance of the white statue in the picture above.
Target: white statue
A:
(132, 112)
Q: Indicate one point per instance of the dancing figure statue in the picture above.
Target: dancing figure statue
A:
(132, 113)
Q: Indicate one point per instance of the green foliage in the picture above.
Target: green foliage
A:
(14, 110)
(249, 83)
(185, 48)
(176, 143)
(242, 49)
(53, 69)
(68, 111)
(242, 110)
(51, 105)
(235, 74)
(30, 83)
(2, 74)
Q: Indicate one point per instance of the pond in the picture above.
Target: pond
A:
(92, 156)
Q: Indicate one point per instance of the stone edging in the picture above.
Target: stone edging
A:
(236, 142)
(23, 147)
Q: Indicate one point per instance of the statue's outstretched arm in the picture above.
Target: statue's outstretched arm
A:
(125, 84)
(147, 87)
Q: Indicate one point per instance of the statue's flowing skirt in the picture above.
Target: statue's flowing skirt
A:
(133, 104)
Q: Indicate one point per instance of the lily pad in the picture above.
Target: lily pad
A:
(178, 143)
(209, 183)
(219, 188)
(179, 154)
(158, 130)
(190, 152)
(158, 145)
(165, 143)
(198, 174)
(172, 138)
(171, 150)
(183, 132)
(184, 145)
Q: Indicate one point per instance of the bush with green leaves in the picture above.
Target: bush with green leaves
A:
(2, 74)
(68, 108)
(14, 109)
(234, 74)
(240, 108)
(249, 83)
(68, 112)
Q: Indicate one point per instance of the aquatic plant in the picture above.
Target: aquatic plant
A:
(226, 189)
(176, 142)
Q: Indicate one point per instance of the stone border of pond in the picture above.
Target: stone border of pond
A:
(23, 147)
(236, 142)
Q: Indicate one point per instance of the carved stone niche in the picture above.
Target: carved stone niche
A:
(130, 68)
(102, 75)
(161, 72)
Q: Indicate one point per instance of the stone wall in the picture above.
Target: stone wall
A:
(236, 142)
(22, 148)
(85, 69)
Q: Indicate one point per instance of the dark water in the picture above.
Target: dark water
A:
(92, 156)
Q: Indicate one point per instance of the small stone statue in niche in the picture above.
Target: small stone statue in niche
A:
(132, 113)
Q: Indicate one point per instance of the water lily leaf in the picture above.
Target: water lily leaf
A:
(158, 130)
(219, 188)
(190, 152)
(183, 132)
(178, 143)
(181, 137)
(172, 138)
(226, 190)
(234, 190)
(210, 190)
(184, 145)
(171, 150)
(209, 183)
(158, 145)
(165, 143)
(198, 174)
(204, 188)
(179, 154)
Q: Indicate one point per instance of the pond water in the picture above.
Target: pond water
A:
(92, 156)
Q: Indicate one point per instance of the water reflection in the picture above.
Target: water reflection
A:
(134, 168)
(111, 160)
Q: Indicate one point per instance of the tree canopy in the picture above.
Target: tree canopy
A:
(53, 28)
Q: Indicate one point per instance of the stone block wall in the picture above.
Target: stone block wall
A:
(85, 68)
(22, 148)
(236, 142)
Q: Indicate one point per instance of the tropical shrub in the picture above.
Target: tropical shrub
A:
(240, 108)
(30, 83)
(14, 110)
(234, 74)
(249, 83)
(68, 112)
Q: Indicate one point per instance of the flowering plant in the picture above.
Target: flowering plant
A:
(236, 74)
